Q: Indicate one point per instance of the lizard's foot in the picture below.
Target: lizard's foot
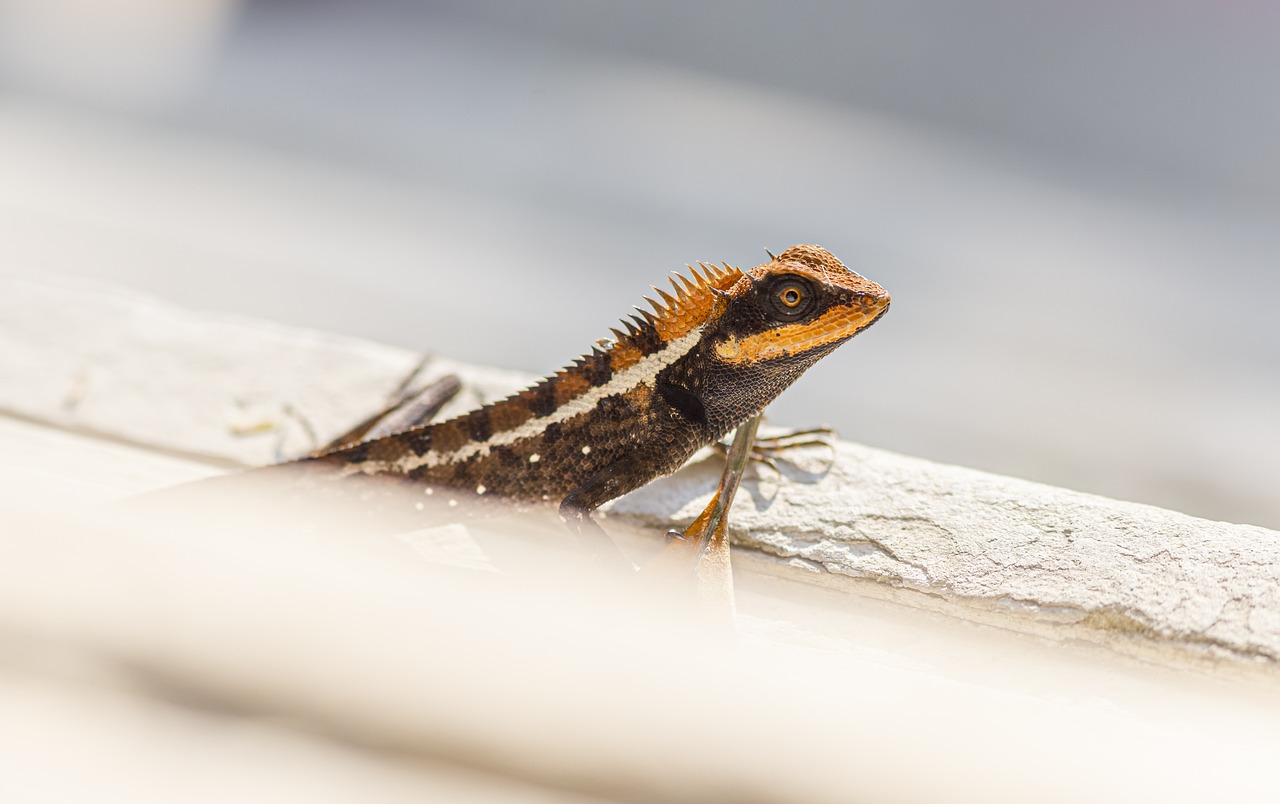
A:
(768, 450)
(694, 567)
(701, 551)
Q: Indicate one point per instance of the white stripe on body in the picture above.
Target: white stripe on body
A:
(643, 372)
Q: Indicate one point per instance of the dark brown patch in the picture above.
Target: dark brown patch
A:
(551, 434)
(542, 398)
(384, 449)
(463, 473)
(629, 406)
(506, 457)
(570, 385)
(478, 425)
(616, 407)
(419, 442)
(683, 400)
(509, 415)
(596, 369)
(451, 435)
(358, 453)
(647, 340)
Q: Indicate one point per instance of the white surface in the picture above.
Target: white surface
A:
(978, 546)
(1025, 555)
(96, 356)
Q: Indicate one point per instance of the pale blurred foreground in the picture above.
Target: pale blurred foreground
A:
(209, 662)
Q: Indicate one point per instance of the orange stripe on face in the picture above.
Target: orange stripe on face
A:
(791, 339)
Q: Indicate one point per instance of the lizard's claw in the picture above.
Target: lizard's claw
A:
(768, 450)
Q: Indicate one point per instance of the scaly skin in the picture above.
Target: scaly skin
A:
(680, 378)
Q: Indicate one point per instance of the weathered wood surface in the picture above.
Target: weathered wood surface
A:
(975, 545)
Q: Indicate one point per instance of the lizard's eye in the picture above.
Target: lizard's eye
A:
(789, 298)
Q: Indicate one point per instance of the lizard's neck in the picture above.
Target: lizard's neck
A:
(719, 395)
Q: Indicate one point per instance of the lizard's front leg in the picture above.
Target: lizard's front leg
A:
(576, 509)
(701, 551)
(686, 551)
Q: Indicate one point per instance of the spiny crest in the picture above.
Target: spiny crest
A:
(694, 299)
(643, 333)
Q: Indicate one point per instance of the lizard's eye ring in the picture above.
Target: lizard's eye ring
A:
(789, 298)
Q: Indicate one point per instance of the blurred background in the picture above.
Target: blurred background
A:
(1074, 205)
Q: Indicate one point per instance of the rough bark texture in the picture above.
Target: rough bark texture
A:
(1004, 550)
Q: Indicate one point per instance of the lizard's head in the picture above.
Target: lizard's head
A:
(729, 341)
(759, 330)
(795, 309)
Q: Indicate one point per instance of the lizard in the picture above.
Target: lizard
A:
(707, 358)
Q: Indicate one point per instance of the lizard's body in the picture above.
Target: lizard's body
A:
(706, 360)
(674, 381)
